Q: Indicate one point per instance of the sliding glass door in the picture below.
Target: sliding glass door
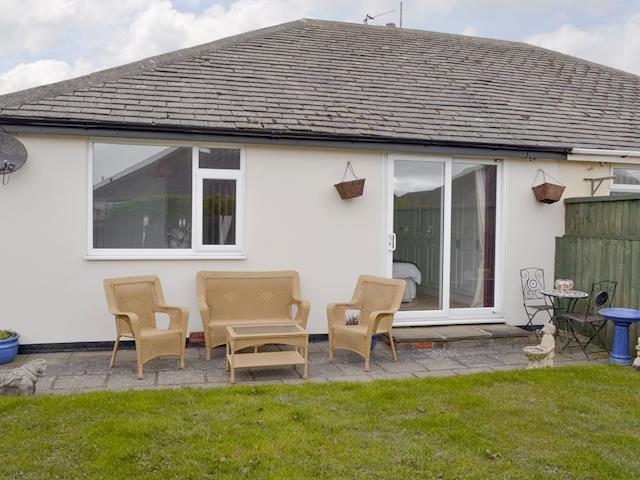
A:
(473, 235)
(418, 226)
(443, 242)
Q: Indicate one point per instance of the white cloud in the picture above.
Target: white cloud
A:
(614, 45)
(27, 26)
(161, 28)
(27, 75)
(32, 26)
(470, 31)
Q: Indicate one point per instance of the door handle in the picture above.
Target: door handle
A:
(392, 242)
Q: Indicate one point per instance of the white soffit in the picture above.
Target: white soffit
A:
(604, 156)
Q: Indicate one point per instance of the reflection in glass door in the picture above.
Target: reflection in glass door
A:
(473, 235)
(444, 235)
(418, 222)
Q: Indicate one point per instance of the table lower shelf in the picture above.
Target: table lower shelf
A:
(265, 359)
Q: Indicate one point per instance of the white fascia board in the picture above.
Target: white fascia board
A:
(604, 156)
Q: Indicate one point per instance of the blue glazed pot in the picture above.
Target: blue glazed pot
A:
(9, 349)
(374, 341)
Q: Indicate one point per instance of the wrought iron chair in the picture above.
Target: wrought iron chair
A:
(601, 296)
(532, 280)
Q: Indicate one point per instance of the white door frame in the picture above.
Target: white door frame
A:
(447, 315)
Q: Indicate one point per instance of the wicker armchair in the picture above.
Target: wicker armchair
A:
(235, 298)
(378, 299)
(134, 301)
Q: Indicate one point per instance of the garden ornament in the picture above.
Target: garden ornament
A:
(541, 356)
(564, 285)
(22, 380)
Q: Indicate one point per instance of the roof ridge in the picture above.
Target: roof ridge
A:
(472, 38)
(461, 36)
(134, 68)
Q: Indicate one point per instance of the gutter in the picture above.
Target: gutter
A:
(603, 155)
(17, 125)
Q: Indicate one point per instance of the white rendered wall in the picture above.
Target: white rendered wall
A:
(531, 228)
(295, 220)
(572, 175)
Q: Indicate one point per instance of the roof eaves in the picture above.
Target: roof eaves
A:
(45, 126)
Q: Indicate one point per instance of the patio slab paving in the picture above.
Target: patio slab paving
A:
(88, 371)
(445, 334)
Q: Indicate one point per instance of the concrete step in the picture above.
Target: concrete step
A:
(457, 336)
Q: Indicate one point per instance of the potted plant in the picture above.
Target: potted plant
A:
(8, 346)
(352, 317)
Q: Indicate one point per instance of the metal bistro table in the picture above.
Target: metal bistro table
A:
(622, 318)
(556, 296)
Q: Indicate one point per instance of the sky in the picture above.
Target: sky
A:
(43, 41)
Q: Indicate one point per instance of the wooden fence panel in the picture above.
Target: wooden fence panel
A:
(602, 242)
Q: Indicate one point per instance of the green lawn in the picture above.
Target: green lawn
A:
(577, 422)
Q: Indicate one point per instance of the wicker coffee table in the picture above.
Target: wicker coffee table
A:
(247, 336)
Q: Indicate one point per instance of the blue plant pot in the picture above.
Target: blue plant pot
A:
(9, 349)
(374, 341)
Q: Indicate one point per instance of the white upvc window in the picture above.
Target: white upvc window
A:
(165, 200)
(626, 179)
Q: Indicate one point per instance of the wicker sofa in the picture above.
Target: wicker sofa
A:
(232, 298)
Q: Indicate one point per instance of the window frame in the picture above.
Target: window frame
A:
(623, 187)
(197, 250)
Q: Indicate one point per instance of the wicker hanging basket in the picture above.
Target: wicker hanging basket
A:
(350, 188)
(547, 192)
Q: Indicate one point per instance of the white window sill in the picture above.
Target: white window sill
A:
(168, 256)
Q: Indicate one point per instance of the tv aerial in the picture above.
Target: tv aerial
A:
(13, 156)
(368, 17)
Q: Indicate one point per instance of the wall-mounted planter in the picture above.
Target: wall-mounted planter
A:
(9, 349)
(547, 192)
(351, 188)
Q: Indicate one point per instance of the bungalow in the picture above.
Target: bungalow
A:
(224, 156)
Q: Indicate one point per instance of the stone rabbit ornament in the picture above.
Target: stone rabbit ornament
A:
(22, 380)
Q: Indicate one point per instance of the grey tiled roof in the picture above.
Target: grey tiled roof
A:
(319, 79)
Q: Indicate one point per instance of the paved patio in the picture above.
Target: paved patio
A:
(88, 371)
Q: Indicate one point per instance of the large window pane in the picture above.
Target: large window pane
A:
(218, 212)
(141, 196)
(417, 224)
(473, 235)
